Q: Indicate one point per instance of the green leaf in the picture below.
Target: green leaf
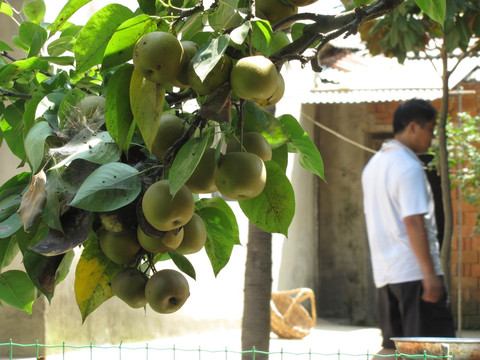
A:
(97, 147)
(309, 156)
(29, 115)
(280, 156)
(262, 35)
(4, 46)
(9, 206)
(358, 3)
(209, 54)
(9, 72)
(186, 161)
(59, 46)
(33, 36)
(14, 187)
(436, 10)
(225, 15)
(93, 276)
(35, 144)
(147, 6)
(274, 208)
(52, 83)
(67, 11)
(146, 100)
(8, 250)
(297, 30)
(279, 41)
(10, 226)
(95, 35)
(59, 60)
(183, 264)
(193, 29)
(219, 203)
(34, 11)
(17, 290)
(6, 9)
(118, 113)
(51, 212)
(239, 34)
(64, 267)
(11, 126)
(67, 105)
(220, 237)
(108, 188)
(255, 118)
(120, 47)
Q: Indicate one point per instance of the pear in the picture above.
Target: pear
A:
(164, 211)
(240, 175)
(194, 237)
(169, 241)
(253, 142)
(166, 291)
(120, 247)
(158, 56)
(170, 129)
(129, 285)
(202, 180)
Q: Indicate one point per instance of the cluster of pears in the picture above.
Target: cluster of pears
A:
(176, 227)
(238, 174)
(161, 58)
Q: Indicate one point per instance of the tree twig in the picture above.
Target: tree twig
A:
(9, 93)
(7, 55)
(331, 25)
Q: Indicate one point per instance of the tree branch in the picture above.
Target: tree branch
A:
(346, 23)
(5, 92)
(473, 49)
(7, 55)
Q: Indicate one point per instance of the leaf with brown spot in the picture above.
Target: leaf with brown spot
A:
(76, 229)
(33, 200)
(217, 107)
(47, 271)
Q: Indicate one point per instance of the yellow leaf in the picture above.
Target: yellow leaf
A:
(146, 99)
(93, 276)
(33, 201)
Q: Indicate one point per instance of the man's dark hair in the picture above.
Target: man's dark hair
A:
(420, 111)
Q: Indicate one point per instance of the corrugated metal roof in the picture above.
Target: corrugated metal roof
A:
(358, 77)
(369, 95)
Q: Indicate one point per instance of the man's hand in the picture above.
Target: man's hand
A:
(432, 289)
(417, 234)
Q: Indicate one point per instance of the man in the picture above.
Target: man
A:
(400, 216)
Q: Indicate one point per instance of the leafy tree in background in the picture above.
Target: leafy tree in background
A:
(87, 170)
(463, 141)
(408, 31)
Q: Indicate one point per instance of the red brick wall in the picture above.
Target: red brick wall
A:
(469, 271)
(470, 240)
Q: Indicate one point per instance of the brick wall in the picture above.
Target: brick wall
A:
(468, 274)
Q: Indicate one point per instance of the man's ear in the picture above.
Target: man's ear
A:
(412, 127)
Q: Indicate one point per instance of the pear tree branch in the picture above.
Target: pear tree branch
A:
(13, 94)
(327, 28)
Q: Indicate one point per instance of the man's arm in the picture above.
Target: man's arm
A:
(417, 234)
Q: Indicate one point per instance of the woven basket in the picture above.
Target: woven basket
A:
(289, 319)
